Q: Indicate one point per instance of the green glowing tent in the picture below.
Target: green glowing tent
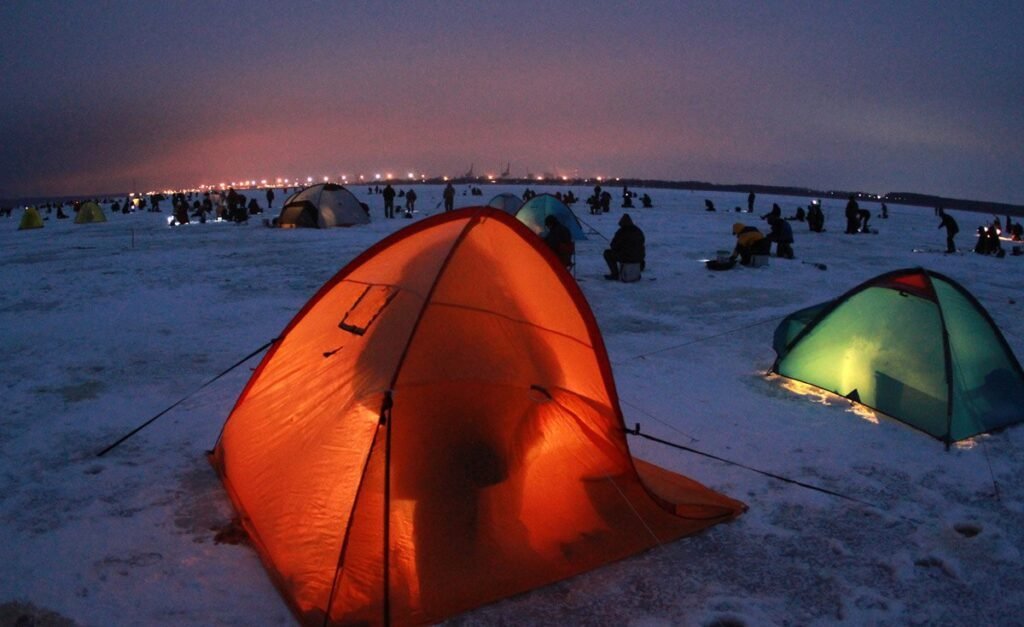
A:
(912, 344)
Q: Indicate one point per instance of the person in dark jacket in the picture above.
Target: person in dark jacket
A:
(782, 235)
(270, 197)
(449, 197)
(559, 240)
(627, 246)
(952, 228)
(815, 217)
(852, 216)
(389, 201)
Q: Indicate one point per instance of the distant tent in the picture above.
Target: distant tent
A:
(533, 212)
(509, 203)
(912, 344)
(322, 206)
(438, 428)
(30, 219)
(90, 212)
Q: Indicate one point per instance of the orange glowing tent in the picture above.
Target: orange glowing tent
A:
(437, 429)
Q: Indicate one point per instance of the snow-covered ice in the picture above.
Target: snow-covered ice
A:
(105, 325)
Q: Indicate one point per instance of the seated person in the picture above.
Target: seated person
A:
(627, 246)
(645, 200)
(749, 242)
(559, 240)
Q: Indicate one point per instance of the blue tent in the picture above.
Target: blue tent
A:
(509, 203)
(533, 213)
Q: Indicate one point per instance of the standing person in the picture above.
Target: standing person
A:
(410, 203)
(389, 201)
(815, 217)
(270, 197)
(627, 246)
(449, 197)
(852, 215)
(750, 202)
(952, 229)
(782, 235)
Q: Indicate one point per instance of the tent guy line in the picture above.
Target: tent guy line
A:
(644, 356)
(636, 432)
(184, 398)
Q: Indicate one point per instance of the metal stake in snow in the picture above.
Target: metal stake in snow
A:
(185, 398)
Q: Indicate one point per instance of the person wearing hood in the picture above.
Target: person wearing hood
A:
(782, 235)
(749, 242)
(627, 246)
(559, 240)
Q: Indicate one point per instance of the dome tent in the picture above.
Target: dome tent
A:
(30, 219)
(90, 212)
(507, 202)
(322, 206)
(533, 212)
(912, 344)
(411, 448)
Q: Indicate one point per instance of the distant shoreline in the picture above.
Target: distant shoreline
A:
(902, 198)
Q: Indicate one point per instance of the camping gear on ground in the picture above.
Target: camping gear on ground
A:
(534, 211)
(90, 212)
(438, 428)
(717, 264)
(30, 219)
(630, 272)
(913, 344)
(322, 206)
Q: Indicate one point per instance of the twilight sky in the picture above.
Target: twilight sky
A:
(907, 95)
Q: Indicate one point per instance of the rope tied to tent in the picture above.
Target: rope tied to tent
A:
(185, 398)
(709, 337)
(636, 432)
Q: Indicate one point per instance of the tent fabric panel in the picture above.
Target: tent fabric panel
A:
(793, 324)
(534, 211)
(915, 281)
(988, 390)
(509, 203)
(292, 433)
(295, 494)
(515, 324)
(302, 214)
(686, 497)
(884, 345)
(531, 490)
(359, 596)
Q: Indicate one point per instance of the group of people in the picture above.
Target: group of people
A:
(856, 218)
(389, 194)
(627, 246)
